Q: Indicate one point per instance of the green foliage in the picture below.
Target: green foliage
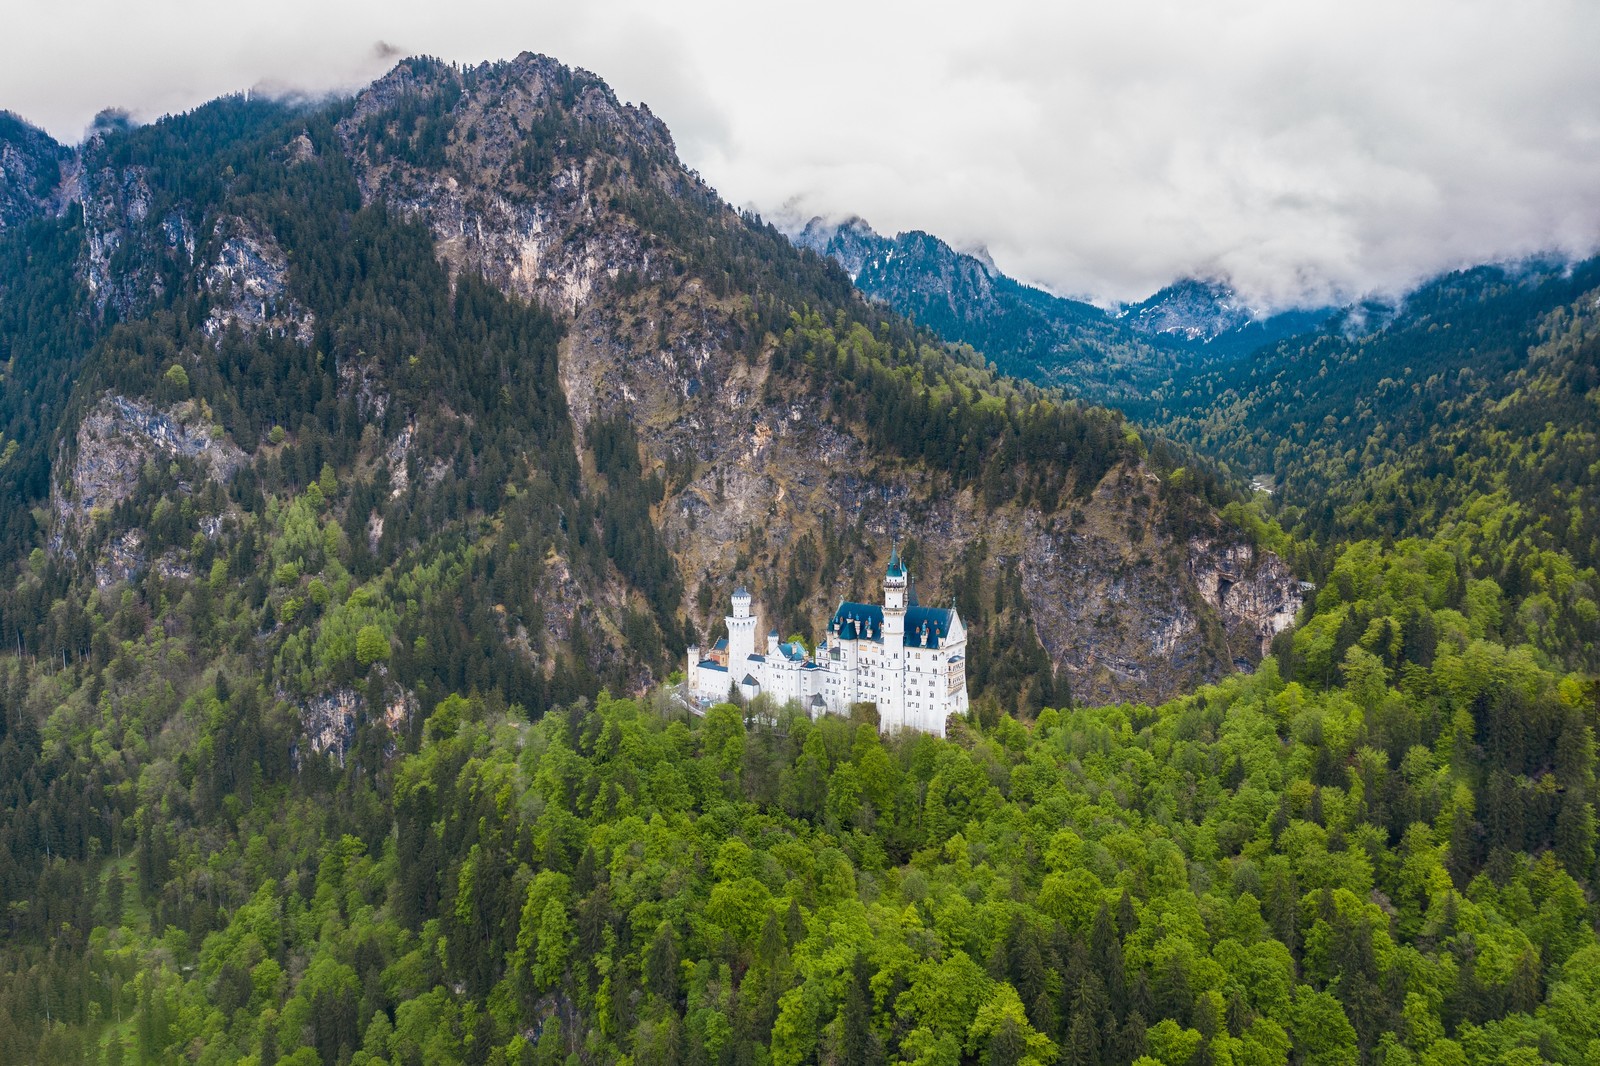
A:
(1272, 866)
(177, 379)
(372, 645)
(1469, 416)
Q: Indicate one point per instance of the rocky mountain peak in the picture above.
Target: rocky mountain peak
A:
(519, 168)
(705, 403)
(1190, 309)
(850, 242)
(30, 169)
(504, 104)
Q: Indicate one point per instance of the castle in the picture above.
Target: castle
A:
(909, 660)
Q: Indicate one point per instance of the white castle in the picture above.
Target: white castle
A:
(909, 660)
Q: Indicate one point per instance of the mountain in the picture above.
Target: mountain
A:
(716, 410)
(367, 465)
(1211, 315)
(30, 170)
(1469, 408)
(1462, 412)
(1024, 331)
(1108, 358)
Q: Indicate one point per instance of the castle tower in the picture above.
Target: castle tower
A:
(892, 702)
(741, 630)
(894, 584)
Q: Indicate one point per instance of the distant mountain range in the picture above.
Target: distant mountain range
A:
(1109, 357)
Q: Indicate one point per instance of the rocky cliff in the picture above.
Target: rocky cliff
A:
(248, 283)
(101, 466)
(30, 170)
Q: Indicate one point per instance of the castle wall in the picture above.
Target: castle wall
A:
(915, 685)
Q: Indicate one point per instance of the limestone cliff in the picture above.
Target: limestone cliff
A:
(248, 281)
(103, 463)
(30, 170)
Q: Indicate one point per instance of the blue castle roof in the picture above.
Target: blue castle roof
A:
(926, 627)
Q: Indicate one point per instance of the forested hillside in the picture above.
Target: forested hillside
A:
(1471, 415)
(287, 465)
(1389, 858)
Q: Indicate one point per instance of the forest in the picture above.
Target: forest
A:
(1475, 419)
(1378, 848)
(330, 778)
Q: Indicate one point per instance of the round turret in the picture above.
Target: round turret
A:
(894, 582)
(895, 575)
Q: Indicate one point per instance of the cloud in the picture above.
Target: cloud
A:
(1305, 151)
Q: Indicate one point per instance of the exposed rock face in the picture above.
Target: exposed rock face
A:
(122, 558)
(1125, 608)
(30, 170)
(360, 381)
(1123, 618)
(1190, 310)
(914, 270)
(852, 243)
(540, 233)
(248, 281)
(117, 214)
(114, 441)
(1130, 614)
(114, 201)
(329, 721)
(1254, 592)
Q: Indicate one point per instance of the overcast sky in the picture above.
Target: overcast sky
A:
(1304, 149)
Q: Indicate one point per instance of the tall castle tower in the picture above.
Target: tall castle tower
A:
(892, 704)
(741, 629)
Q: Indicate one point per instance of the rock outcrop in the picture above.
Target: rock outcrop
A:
(544, 233)
(329, 721)
(248, 281)
(30, 170)
(113, 443)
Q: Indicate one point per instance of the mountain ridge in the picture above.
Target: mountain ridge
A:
(684, 338)
(1102, 356)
